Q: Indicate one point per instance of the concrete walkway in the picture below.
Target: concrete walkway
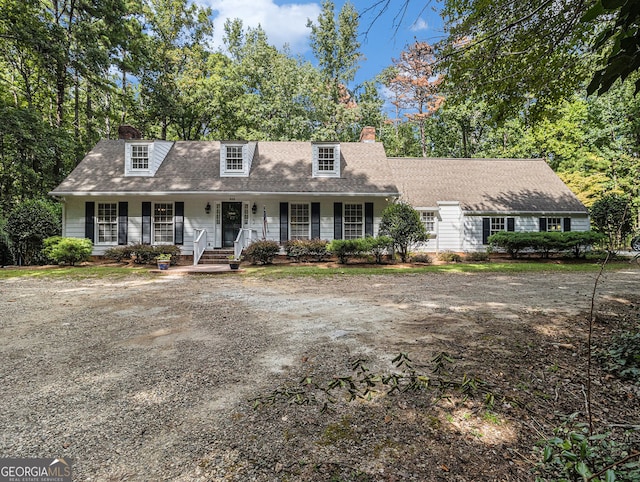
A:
(199, 269)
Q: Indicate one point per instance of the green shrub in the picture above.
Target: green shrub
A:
(450, 257)
(576, 242)
(402, 223)
(28, 225)
(622, 356)
(345, 249)
(573, 454)
(142, 253)
(378, 246)
(421, 258)
(68, 250)
(119, 253)
(477, 256)
(306, 249)
(5, 245)
(262, 252)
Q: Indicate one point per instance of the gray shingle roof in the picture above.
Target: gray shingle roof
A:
(484, 185)
(194, 166)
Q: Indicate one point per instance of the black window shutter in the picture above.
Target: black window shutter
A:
(315, 220)
(368, 219)
(543, 224)
(89, 220)
(284, 222)
(123, 222)
(337, 220)
(511, 224)
(566, 224)
(146, 223)
(178, 223)
(486, 229)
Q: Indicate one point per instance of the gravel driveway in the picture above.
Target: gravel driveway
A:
(148, 378)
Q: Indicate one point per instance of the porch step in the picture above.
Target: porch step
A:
(216, 256)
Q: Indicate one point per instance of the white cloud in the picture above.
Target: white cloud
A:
(419, 24)
(282, 23)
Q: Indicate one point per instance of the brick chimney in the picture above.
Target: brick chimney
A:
(128, 132)
(368, 134)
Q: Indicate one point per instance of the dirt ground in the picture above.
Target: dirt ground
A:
(156, 377)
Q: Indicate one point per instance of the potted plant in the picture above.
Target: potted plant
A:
(163, 260)
(233, 262)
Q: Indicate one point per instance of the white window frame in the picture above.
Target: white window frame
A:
(555, 223)
(428, 218)
(233, 158)
(358, 222)
(301, 228)
(319, 154)
(131, 159)
(497, 225)
(239, 166)
(140, 158)
(163, 225)
(104, 225)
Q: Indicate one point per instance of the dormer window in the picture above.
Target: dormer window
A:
(144, 158)
(235, 158)
(326, 160)
(139, 156)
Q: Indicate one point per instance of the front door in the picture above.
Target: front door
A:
(231, 223)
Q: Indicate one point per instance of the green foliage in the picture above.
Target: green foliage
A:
(477, 256)
(364, 385)
(403, 224)
(421, 258)
(28, 225)
(622, 355)
(572, 454)
(576, 242)
(345, 249)
(621, 40)
(379, 246)
(612, 216)
(449, 257)
(142, 253)
(306, 249)
(262, 252)
(68, 250)
(5, 250)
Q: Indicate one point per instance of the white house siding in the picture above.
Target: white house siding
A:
(449, 227)
(473, 226)
(195, 216)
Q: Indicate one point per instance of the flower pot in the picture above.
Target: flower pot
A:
(163, 264)
(234, 265)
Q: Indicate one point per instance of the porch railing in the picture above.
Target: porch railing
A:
(242, 241)
(199, 244)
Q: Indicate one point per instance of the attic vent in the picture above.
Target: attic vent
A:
(128, 132)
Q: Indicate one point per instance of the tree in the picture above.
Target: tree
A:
(273, 97)
(516, 54)
(28, 225)
(417, 86)
(336, 47)
(402, 223)
(611, 215)
(535, 53)
(177, 32)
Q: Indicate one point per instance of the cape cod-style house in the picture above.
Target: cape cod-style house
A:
(204, 195)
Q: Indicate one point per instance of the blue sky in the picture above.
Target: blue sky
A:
(381, 40)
